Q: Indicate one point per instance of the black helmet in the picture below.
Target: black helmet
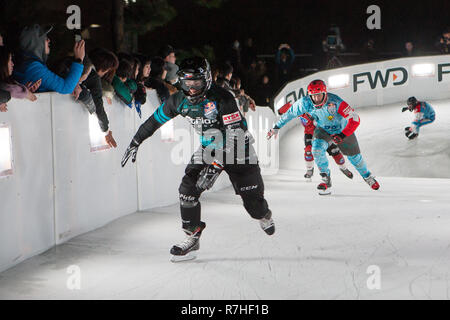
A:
(192, 69)
(411, 102)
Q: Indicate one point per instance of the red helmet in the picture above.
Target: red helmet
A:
(317, 87)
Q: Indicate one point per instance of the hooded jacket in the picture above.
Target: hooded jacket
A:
(33, 64)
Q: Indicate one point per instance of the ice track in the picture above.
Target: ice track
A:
(322, 248)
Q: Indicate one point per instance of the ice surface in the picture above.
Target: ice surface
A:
(322, 248)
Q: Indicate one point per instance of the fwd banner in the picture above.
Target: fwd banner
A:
(380, 78)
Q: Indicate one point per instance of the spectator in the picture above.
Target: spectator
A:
(140, 96)
(443, 44)
(90, 93)
(121, 83)
(105, 64)
(168, 54)
(155, 80)
(34, 49)
(1, 39)
(5, 96)
(409, 49)
(235, 56)
(225, 72)
(244, 101)
(251, 80)
(284, 60)
(248, 53)
(7, 83)
(263, 92)
(369, 51)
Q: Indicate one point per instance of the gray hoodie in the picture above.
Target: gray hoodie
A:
(32, 41)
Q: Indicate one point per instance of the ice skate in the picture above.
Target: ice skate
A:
(187, 250)
(325, 186)
(308, 175)
(346, 172)
(372, 182)
(267, 224)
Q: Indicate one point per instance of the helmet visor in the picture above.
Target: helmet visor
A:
(192, 86)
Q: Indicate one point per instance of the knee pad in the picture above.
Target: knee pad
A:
(256, 207)
(188, 201)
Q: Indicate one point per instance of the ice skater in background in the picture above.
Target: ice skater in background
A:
(423, 114)
(333, 150)
(335, 121)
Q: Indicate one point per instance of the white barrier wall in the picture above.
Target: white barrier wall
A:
(60, 188)
(380, 83)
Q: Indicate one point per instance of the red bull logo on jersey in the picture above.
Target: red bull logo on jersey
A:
(210, 107)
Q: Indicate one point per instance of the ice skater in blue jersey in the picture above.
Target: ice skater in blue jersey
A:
(423, 114)
(335, 122)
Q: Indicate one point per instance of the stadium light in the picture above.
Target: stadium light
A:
(423, 70)
(97, 137)
(338, 81)
(5, 151)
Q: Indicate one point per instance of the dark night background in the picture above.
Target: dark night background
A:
(302, 24)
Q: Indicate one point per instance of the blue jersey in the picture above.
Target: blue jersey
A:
(424, 110)
(335, 116)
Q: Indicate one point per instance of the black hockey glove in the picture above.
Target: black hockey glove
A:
(338, 138)
(130, 152)
(209, 175)
(404, 109)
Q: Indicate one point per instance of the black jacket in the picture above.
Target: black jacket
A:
(5, 96)
(94, 84)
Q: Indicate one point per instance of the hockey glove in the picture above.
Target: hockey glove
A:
(130, 152)
(338, 138)
(209, 175)
(272, 132)
(404, 109)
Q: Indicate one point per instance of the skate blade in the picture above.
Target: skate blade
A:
(187, 257)
(325, 192)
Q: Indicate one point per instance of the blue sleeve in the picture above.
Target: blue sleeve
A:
(53, 82)
(296, 110)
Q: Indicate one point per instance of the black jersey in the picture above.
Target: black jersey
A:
(218, 111)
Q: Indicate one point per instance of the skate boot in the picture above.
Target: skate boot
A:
(267, 224)
(410, 134)
(186, 250)
(346, 172)
(372, 182)
(324, 187)
(309, 173)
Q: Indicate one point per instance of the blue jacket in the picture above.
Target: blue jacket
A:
(32, 69)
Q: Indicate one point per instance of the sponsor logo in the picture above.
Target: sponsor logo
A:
(210, 107)
(248, 188)
(232, 118)
(441, 70)
(331, 108)
(201, 121)
(392, 77)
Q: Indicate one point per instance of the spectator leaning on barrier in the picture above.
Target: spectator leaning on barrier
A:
(34, 50)
(155, 80)
(123, 73)
(410, 51)
(105, 64)
(168, 54)
(443, 44)
(140, 96)
(7, 83)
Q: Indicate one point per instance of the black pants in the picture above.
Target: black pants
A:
(246, 180)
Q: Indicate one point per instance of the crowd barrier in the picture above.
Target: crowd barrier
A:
(58, 180)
